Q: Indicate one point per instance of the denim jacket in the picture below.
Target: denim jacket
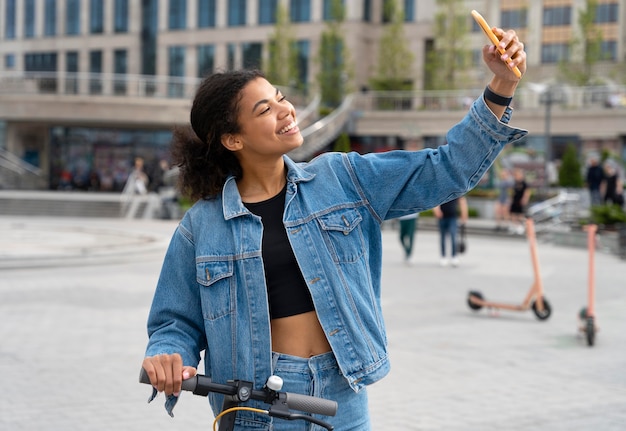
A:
(211, 294)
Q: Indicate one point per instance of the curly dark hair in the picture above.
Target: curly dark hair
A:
(197, 149)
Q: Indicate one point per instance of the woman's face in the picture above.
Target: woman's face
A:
(267, 121)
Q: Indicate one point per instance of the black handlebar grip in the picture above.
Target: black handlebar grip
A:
(188, 385)
(310, 404)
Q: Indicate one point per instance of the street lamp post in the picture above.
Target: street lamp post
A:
(547, 98)
(548, 95)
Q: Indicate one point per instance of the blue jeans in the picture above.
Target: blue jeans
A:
(448, 227)
(320, 376)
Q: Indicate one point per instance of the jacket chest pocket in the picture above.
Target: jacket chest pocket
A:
(342, 234)
(217, 289)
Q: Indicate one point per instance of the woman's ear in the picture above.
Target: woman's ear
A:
(231, 142)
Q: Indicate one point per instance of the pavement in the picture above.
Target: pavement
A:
(75, 294)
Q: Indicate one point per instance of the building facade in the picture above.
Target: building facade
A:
(100, 81)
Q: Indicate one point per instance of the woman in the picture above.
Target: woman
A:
(277, 267)
(519, 201)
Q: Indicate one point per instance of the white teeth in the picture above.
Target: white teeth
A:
(287, 128)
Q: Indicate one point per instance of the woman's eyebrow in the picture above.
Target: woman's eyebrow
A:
(261, 102)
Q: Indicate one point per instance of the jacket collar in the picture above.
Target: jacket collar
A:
(231, 199)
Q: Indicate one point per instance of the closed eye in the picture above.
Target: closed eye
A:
(280, 99)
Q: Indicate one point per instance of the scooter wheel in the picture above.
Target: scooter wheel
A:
(590, 330)
(472, 305)
(545, 313)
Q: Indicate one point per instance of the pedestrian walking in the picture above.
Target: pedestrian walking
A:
(594, 179)
(613, 188)
(408, 226)
(276, 269)
(448, 215)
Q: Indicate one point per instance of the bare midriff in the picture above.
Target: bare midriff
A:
(300, 335)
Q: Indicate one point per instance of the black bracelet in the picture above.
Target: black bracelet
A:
(496, 98)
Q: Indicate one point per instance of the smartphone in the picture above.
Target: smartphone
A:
(492, 37)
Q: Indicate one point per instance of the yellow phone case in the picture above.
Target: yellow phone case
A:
(492, 37)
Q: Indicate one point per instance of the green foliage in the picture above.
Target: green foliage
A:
(588, 47)
(281, 67)
(450, 57)
(395, 59)
(342, 144)
(607, 215)
(570, 173)
(333, 59)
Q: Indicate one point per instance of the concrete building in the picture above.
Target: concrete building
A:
(86, 85)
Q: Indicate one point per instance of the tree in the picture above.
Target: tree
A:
(449, 56)
(395, 59)
(570, 174)
(332, 58)
(588, 47)
(281, 66)
(342, 144)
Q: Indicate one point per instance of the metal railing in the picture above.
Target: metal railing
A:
(16, 173)
(323, 132)
(160, 86)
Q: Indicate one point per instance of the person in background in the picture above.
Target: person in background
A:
(594, 179)
(519, 201)
(276, 268)
(408, 226)
(138, 181)
(503, 201)
(448, 215)
(613, 188)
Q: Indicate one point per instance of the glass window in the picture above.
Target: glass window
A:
(231, 48)
(71, 67)
(386, 16)
(236, 13)
(608, 49)
(107, 154)
(29, 18)
(149, 20)
(252, 55)
(50, 18)
(206, 13)
(120, 19)
(120, 66)
(9, 61)
(303, 48)
(176, 71)
(267, 11)
(177, 14)
(409, 10)
(554, 52)
(9, 21)
(607, 12)
(367, 10)
(206, 60)
(40, 62)
(96, 16)
(72, 17)
(300, 10)
(556, 16)
(328, 12)
(515, 18)
(95, 68)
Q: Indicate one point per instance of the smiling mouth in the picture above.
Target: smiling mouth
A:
(287, 128)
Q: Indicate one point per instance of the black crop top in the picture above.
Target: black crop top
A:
(286, 288)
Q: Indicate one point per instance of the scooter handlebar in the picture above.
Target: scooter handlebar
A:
(202, 385)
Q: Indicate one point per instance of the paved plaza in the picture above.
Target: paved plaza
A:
(75, 293)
